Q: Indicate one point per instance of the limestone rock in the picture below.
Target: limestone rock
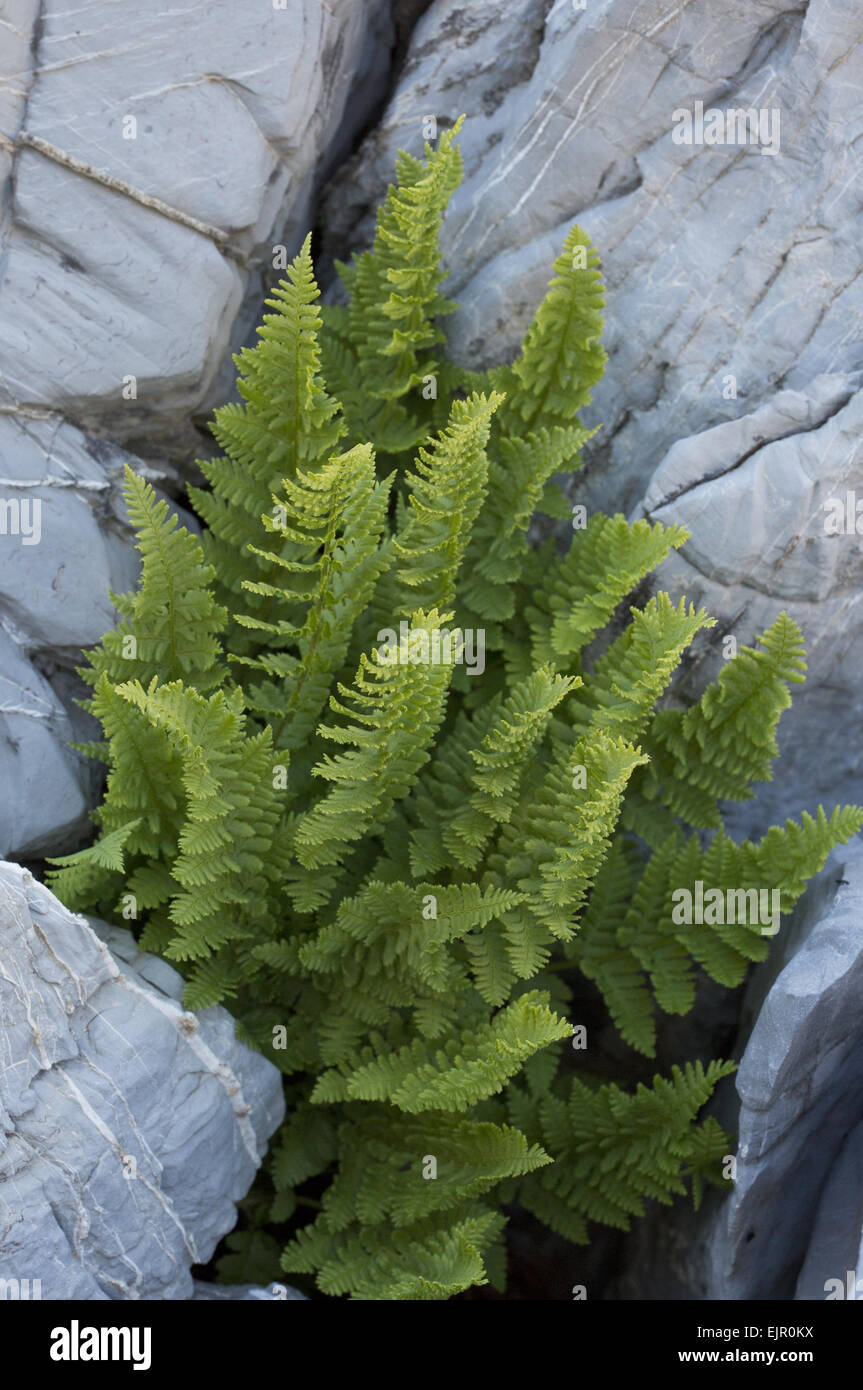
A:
(150, 160)
(719, 260)
(134, 221)
(799, 1085)
(128, 1127)
(758, 495)
(65, 545)
(43, 780)
(836, 1245)
(245, 1293)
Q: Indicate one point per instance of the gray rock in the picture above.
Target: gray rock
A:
(149, 164)
(128, 1127)
(248, 1293)
(133, 221)
(714, 259)
(43, 783)
(754, 494)
(65, 545)
(67, 542)
(836, 1246)
(800, 1086)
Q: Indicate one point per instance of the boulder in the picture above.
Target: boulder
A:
(760, 496)
(245, 1293)
(800, 1086)
(66, 545)
(833, 1268)
(794, 1218)
(136, 222)
(151, 162)
(129, 1128)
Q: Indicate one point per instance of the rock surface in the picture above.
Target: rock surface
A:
(133, 221)
(836, 1246)
(65, 547)
(734, 303)
(755, 495)
(800, 1085)
(246, 1293)
(150, 160)
(128, 1127)
(794, 1217)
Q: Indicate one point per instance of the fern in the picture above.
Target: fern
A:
(395, 861)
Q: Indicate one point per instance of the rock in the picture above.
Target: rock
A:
(755, 494)
(713, 258)
(67, 541)
(836, 1244)
(65, 545)
(794, 1217)
(799, 1085)
(137, 232)
(734, 304)
(272, 1293)
(208, 138)
(128, 1127)
(43, 783)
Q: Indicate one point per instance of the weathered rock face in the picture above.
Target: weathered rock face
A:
(734, 300)
(833, 1267)
(132, 222)
(245, 1293)
(65, 546)
(128, 1127)
(757, 495)
(149, 161)
(794, 1218)
(800, 1085)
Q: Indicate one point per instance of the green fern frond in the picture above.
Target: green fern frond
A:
(286, 421)
(614, 1150)
(604, 564)
(335, 518)
(719, 747)
(391, 324)
(454, 1077)
(631, 675)
(397, 709)
(170, 627)
(562, 358)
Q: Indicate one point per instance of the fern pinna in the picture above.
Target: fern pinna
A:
(390, 861)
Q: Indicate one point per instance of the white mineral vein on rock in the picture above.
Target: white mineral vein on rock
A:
(129, 1128)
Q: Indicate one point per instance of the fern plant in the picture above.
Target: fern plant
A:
(365, 787)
